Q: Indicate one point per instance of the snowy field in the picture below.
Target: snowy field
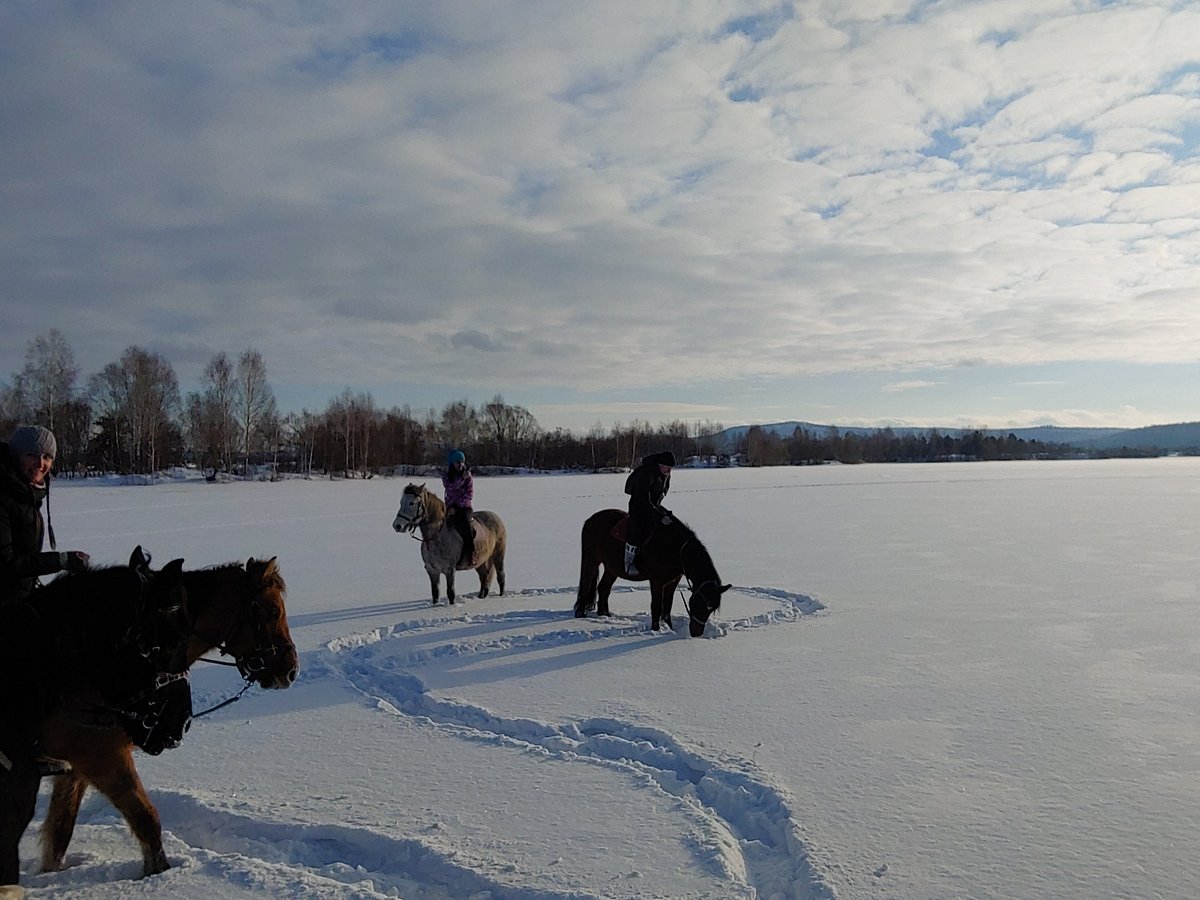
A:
(970, 680)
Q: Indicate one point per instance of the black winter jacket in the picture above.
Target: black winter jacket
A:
(21, 533)
(646, 485)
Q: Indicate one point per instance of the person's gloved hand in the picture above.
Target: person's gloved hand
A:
(74, 560)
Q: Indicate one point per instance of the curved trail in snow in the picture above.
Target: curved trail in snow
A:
(750, 835)
(731, 824)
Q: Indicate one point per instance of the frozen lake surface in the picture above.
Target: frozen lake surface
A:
(928, 682)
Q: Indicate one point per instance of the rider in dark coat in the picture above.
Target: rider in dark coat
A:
(25, 463)
(646, 486)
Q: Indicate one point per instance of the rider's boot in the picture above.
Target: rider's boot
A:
(630, 553)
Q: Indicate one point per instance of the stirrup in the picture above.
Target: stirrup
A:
(630, 553)
(48, 765)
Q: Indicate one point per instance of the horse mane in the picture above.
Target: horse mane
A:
(76, 591)
(700, 553)
(264, 574)
(269, 580)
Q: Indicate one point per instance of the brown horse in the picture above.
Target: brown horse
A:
(236, 609)
(671, 552)
(90, 641)
(440, 545)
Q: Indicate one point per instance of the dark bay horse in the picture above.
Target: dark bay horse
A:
(440, 545)
(236, 609)
(671, 552)
(92, 643)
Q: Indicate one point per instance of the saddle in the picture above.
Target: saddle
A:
(620, 529)
(475, 557)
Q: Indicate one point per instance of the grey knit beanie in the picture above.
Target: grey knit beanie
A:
(32, 439)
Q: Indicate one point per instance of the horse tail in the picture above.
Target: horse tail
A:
(499, 550)
(589, 574)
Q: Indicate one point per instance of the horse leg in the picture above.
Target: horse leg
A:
(603, 589)
(668, 600)
(435, 586)
(450, 586)
(498, 568)
(60, 819)
(118, 780)
(485, 578)
(18, 798)
(656, 604)
(585, 597)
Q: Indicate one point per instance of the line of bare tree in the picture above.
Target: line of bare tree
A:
(130, 417)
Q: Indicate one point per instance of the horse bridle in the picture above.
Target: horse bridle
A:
(255, 660)
(411, 523)
(248, 666)
(140, 706)
(693, 589)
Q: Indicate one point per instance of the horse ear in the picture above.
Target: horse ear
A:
(173, 569)
(137, 558)
(725, 587)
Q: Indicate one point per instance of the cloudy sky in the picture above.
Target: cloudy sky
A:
(852, 211)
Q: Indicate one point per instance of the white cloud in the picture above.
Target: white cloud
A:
(608, 195)
(915, 385)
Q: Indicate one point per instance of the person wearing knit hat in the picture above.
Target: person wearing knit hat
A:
(25, 463)
(646, 486)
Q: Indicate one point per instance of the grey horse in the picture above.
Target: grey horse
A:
(440, 546)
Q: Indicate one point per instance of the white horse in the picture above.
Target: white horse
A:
(441, 546)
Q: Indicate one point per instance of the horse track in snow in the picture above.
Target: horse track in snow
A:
(752, 836)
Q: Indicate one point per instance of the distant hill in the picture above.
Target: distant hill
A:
(1182, 436)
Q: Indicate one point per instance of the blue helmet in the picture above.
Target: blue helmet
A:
(456, 456)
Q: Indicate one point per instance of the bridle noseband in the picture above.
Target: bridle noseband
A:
(253, 662)
(694, 589)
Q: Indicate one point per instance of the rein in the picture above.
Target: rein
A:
(691, 588)
(247, 667)
(421, 519)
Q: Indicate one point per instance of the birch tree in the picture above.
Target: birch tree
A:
(254, 401)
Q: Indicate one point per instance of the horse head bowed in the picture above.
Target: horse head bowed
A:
(671, 553)
(704, 601)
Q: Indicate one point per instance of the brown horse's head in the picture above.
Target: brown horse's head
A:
(706, 599)
(272, 660)
(241, 611)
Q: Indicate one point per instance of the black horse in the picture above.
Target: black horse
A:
(97, 646)
(671, 552)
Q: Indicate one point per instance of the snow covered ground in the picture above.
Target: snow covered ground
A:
(973, 680)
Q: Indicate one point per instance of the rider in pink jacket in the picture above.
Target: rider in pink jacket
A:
(460, 495)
